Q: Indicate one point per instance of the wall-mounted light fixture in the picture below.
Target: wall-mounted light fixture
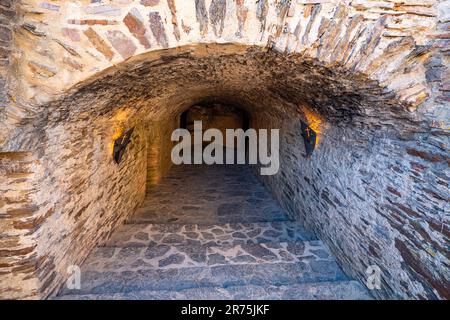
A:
(309, 136)
(120, 145)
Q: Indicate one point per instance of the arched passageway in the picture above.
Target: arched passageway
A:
(211, 231)
(371, 82)
(337, 194)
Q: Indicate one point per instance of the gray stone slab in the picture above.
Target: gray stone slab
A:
(229, 233)
(196, 254)
(339, 290)
(101, 282)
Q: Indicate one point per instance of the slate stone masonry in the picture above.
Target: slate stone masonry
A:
(372, 76)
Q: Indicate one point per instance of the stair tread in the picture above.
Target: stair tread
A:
(145, 216)
(195, 254)
(116, 269)
(337, 290)
(228, 233)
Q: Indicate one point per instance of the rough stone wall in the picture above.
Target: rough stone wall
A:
(7, 20)
(78, 191)
(374, 197)
(83, 194)
(17, 244)
(61, 43)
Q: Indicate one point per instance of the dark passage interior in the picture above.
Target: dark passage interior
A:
(213, 232)
(209, 194)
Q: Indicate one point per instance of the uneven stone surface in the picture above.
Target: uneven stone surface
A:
(142, 234)
(371, 77)
(176, 279)
(388, 213)
(193, 254)
(216, 194)
(172, 260)
(338, 290)
(16, 218)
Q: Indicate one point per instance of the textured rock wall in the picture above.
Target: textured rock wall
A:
(374, 197)
(17, 244)
(81, 72)
(61, 205)
(61, 43)
(82, 193)
(8, 17)
(122, 96)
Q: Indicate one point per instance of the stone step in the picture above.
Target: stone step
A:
(207, 216)
(163, 256)
(166, 267)
(338, 290)
(135, 235)
(104, 282)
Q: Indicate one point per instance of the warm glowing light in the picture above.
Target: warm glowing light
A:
(118, 120)
(121, 115)
(118, 131)
(313, 120)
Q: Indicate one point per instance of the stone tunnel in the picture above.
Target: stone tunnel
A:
(371, 78)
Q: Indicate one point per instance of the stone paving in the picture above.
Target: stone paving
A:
(228, 233)
(209, 195)
(348, 290)
(221, 237)
(193, 255)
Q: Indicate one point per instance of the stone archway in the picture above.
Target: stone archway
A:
(88, 72)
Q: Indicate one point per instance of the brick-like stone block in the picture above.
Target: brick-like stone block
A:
(99, 43)
(121, 43)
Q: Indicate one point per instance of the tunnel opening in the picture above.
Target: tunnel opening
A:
(355, 192)
(213, 114)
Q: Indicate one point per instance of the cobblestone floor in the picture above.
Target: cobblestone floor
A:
(204, 194)
(212, 232)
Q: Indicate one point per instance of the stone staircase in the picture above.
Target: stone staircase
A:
(262, 260)
(241, 246)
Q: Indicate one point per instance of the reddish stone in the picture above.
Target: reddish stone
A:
(157, 28)
(99, 43)
(410, 212)
(394, 191)
(5, 34)
(149, 3)
(16, 252)
(137, 28)
(72, 34)
(121, 43)
(434, 194)
(418, 167)
(241, 12)
(423, 155)
(91, 22)
(73, 64)
(415, 265)
(173, 10)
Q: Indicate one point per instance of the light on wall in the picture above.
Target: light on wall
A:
(120, 145)
(310, 138)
